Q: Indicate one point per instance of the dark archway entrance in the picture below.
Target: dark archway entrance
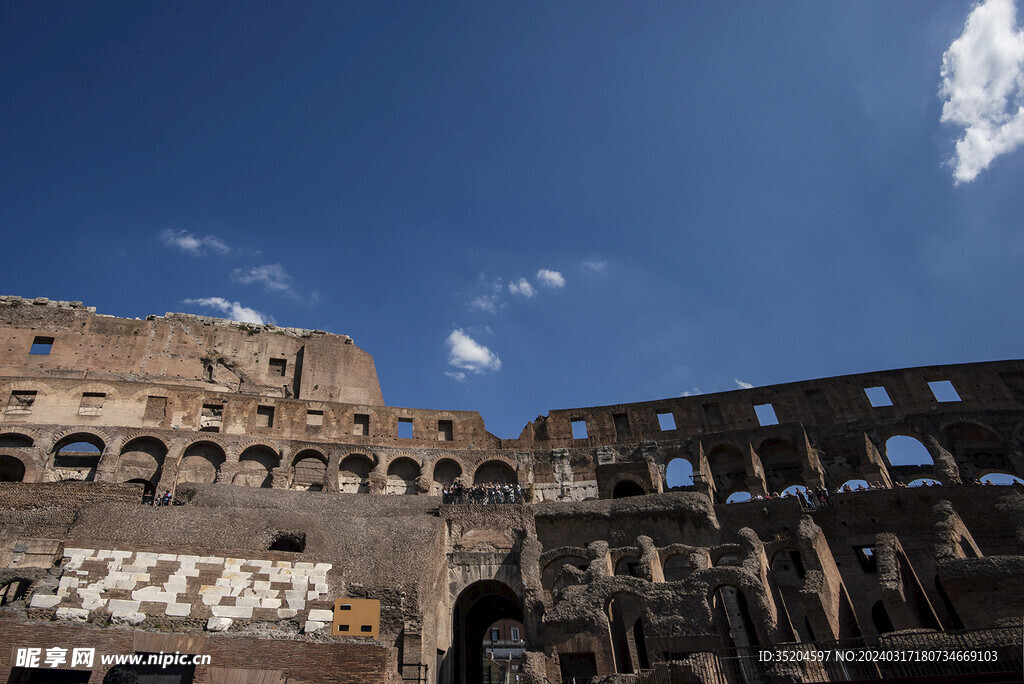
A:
(627, 488)
(477, 608)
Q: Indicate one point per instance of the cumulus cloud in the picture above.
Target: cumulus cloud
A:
(469, 355)
(595, 266)
(983, 84)
(273, 277)
(741, 384)
(548, 278)
(521, 287)
(233, 310)
(187, 242)
(456, 375)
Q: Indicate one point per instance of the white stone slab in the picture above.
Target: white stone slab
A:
(312, 595)
(303, 566)
(285, 613)
(93, 603)
(312, 626)
(218, 624)
(179, 609)
(166, 556)
(296, 604)
(321, 615)
(270, 603)
(244, 612)
(323, 567)
(128, 618)
(71, 551)
(122, 606)
(73, 614)
(44, 601)
(216, 560)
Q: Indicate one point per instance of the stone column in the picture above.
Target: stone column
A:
(946, 469)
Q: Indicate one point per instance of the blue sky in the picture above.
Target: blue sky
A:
(698, 195)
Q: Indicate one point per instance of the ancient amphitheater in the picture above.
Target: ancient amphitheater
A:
(310, 539)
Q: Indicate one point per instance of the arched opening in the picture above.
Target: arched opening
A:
(977, 450)
(853, 485)
(787, 575)
(554, 580)
(739, 497)
(781, 463)
(310, 467)
(14, 440)
(902, 450)
(626, 631)
(255, 466)
(880, 618)
(677, 568)
(628, 566)
(201, 463)
(627, 488)
(495, 472)
(76, 457)
(445, 472)
(354, 474)
(11, 469)
(1001, 479)
(480, 605)
(727, 470)
(924, 482)
(732, 618)
(402, 474)
(142, 460)
(679, 473)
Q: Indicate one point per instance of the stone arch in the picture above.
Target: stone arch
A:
(552, 577)
(309, 468)
(148, 489)
(76, 456)
(739, 496)
(781, 462)
(354, 473)
(679, 472)
(12, 468)
(201, 462)
(728, 470)
(16, 440)
(141, 459)
(624, 611)
(446, 470)
(676, 567)
(907, 456)
(627, 487)
(256, 466)
(475, 609)
(495, 471)
(628, 565)
(976, 448)
(402, 474)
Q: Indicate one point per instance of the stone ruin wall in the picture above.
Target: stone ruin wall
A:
(299, 457)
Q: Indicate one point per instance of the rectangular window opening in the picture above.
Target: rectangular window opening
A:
(622, 430)
(361, 424)
(405, 428)
(211, 417)
(41, 346)
(766, 415)
(92, 403)
(445, 431)
(366, 628)
(278, 367)
(713, 414)
(666, 421)
(343, 628)
(264, 416)
(345, 606)
(495, 635)
(21, 401)
(579, 429)
(944, 391)
(878, 396)
(314, 418)
(515, 633)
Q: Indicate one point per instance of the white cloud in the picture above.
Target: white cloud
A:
(459, 375)
(691, 392)
(271, 276)
(488, 303)
(983, 81)
(741, 384)
(234, 310)
(595, 266)
(521, 287)
(548, 278)
(465, 353)
(187, 242)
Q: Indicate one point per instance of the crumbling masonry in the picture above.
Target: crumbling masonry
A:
(293, 489)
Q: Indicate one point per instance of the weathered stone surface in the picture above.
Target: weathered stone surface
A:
(218, 624)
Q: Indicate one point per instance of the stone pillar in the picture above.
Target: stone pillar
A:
(755, 472)
(331, 474)
(172, 462)
(813, 475)
(230, 467)
(946, 469)
(106, 470)
(872, 465)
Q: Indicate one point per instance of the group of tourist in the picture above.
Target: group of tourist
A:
(164, 500)
(482, 494)
(819, 497)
